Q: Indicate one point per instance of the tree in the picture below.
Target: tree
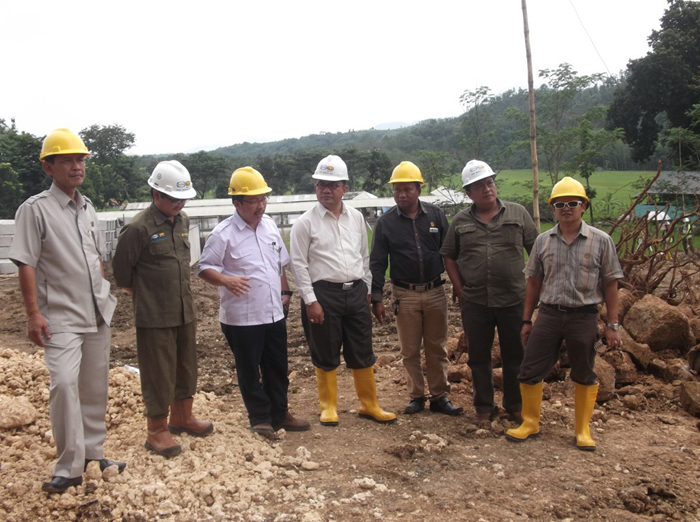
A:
(661, 87)
(11, 193)
(433, 167)
(684, 143)
(116, 175)
(557, 115)
(21, 151)
(477, 125)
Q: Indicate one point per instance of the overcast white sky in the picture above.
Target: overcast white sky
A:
(184, 76)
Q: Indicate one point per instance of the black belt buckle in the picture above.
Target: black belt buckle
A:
(348, 286)
(565, 309)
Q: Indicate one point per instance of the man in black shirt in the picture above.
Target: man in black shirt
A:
(411, 234)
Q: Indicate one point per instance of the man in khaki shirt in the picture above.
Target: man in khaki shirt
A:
(152, 261)
(68, 305)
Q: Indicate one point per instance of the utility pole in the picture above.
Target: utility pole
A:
(533, 127)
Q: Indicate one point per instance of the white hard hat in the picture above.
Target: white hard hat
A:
(475, 170)
(172, 178)
(331, 168)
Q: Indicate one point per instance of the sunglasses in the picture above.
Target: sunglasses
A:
(559, 205)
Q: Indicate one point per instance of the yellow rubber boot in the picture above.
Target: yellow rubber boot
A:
(366, 389)
(327, 383)
(584, 402)
(532, 401)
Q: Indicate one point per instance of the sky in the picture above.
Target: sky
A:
(185, 76)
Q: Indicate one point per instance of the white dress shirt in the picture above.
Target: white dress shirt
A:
(328, 249)
(235, 249)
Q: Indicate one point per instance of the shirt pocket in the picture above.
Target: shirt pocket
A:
(161, 248)
(513, 234)
(466, 229)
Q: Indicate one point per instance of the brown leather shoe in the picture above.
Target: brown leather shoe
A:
(484, 417)
(291, 423)
(159, 440)
(182, 420)
(265, 429)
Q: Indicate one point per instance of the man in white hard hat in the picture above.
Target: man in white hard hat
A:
(484, 257)
(245, 257)
(572, 268)
(411, 234)
(69, 307)
(330, 261)
(152, 261)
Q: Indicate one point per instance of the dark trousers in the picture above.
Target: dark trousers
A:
(579, 330)
(480, 323)
(168, 365)
(347, 324)
(260, 352)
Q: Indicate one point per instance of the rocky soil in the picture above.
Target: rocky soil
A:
(426, 467)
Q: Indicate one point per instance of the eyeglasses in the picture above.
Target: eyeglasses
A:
(256, 202)
(481, 186)
(333, 185)
(172, 200)
(559, 205)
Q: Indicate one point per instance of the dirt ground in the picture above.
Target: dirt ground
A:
(425, 467)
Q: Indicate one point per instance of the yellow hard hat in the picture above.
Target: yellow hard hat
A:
(568, 187)
(406, 171)
(247, 181)
(62, 141)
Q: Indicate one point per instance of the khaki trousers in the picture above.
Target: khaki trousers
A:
(79, 368)
(422, 319)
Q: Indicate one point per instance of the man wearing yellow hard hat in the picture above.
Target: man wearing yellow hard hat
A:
(245, 258)
(572, 268)
(69, 307)
(411, 234)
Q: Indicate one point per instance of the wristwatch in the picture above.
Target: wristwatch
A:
(613, 326)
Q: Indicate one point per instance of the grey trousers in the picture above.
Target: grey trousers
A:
(79, 368)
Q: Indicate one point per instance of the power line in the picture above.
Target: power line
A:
(589, 37)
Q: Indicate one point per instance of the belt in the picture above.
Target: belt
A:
(338, 286)
(588, 309)
(420, 287)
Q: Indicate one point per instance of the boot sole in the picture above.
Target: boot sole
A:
(178, 431)
(330, 423)
(584, 448)
(365, 416)
(515, 439)
(167, 452)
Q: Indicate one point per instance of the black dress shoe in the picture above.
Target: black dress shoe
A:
(414, 406)
(60, 484)
(105, 463)
(444, 405)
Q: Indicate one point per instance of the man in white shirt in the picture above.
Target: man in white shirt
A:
(244, 256)
(330, 261)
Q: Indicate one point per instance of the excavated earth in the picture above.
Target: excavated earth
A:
(425, 467)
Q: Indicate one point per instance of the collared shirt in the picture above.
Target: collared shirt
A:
(413, 244)
(328, 249)
(234, 248)
(153, 259)
(490, 255)
(59, 239)
(573, 274)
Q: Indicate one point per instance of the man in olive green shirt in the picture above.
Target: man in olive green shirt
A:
(483, 254)
(152, 260)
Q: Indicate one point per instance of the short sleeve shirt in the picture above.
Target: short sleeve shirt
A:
(153, 259)
(490, 255)
(234, 248)
(573, 274)
(59, 238)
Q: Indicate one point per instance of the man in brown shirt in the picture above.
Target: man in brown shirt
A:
(152, 261)
(484, 258)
